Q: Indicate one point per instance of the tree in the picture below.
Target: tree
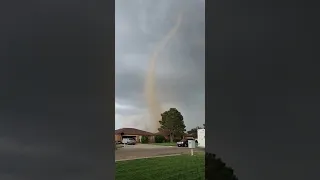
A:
(172, 122)
(159, 139)
(194, 131)
(217, 170)
(144, 139)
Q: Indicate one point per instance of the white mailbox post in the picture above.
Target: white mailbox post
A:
(191, 145)
(124, 141)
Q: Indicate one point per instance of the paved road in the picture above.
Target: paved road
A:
(143, 150)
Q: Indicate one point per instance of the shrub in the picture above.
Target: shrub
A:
(144, 139)
(159, 139)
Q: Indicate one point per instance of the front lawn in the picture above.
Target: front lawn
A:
(165, 144)
(182, 167)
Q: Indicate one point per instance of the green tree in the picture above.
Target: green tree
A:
(172, 122)
(159, 139)
(144, 139)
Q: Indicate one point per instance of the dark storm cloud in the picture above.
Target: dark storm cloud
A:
(180, 68)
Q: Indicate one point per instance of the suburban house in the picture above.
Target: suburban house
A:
(165, 134)
(187, 136)
(133, 133)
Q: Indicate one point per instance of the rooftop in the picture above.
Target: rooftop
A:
(132, 131)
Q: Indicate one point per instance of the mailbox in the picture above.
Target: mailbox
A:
(124, 140)
(191, 143)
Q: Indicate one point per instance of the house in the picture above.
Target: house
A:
(133, 133)
(165, 134)
(188, 136)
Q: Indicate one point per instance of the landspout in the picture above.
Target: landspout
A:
(154, 105)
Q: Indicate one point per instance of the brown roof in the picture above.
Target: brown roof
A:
(188, 135)
(133, 131)
(163, 133)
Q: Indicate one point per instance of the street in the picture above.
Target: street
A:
(146, 150)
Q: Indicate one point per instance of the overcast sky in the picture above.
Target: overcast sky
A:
(180, 71)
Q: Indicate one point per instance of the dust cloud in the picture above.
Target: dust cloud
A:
(154, 105)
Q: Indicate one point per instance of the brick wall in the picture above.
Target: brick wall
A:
(118, 137)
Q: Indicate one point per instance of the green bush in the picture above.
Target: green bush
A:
(159, 139)
(144, 139)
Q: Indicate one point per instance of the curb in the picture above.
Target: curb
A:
(148, 157)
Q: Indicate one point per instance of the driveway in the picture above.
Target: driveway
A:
(147, 150)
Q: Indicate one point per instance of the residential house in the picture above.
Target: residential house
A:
(133, 133)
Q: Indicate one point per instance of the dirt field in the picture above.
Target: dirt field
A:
(144, 150)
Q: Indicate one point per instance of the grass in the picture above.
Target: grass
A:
(165, 144)
(182, 167)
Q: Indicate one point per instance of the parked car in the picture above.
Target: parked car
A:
(129, 141)
(184, 142)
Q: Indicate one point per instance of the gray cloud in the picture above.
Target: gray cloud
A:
(180, 73)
